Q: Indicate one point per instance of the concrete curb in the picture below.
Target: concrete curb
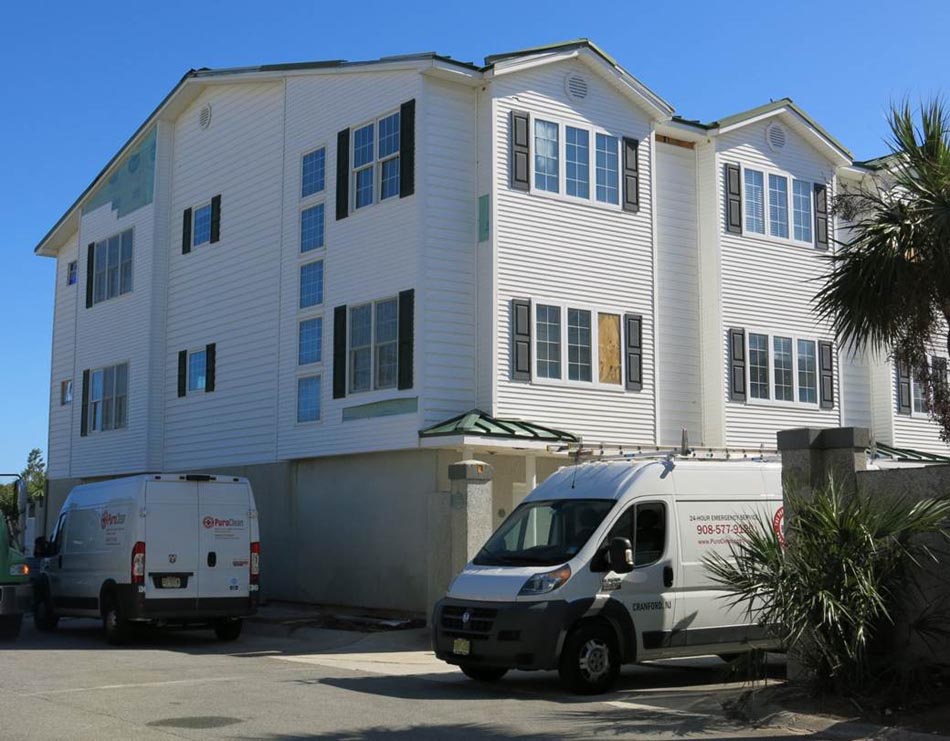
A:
(843, 729)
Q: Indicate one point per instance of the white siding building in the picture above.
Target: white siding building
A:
(338, 278)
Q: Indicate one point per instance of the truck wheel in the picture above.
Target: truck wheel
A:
(590, 660)
(483, 673)
(44, 618)
(228, 629)
(10, 627)
(116, 628)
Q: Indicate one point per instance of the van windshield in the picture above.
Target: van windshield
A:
(544, 533)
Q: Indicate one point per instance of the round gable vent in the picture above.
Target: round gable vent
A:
(775, 136)
(576, 86)
(204, 116)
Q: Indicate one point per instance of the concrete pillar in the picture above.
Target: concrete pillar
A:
(811, 457)
(460, 521)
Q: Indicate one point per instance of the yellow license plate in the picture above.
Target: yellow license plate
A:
(461, 647)
(171, 582)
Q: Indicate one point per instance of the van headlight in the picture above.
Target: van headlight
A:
(546, 582)
(19, 569)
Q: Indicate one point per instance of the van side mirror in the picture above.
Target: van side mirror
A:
(40, 546)
(620, 555)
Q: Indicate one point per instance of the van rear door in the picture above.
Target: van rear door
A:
(224, 565)
(171, 540)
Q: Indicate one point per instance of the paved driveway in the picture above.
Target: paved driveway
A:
(325, 684)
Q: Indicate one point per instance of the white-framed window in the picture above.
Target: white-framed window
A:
(197, 370)
(591, 162)
(578, 344)
(66, 392)
(71, 273)
(112, 267)
(375, 160)
(772, 207)
(313, 172)
(310, 341)
(918, 401)
(312, 226)
(782, 368)
(108, 398)
(311, 284)
(308, 399)
(201, 224)
(374, 345)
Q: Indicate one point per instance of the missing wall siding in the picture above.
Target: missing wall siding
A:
(675, 142)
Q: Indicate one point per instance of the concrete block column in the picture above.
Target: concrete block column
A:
(460, 521)
(811, 457)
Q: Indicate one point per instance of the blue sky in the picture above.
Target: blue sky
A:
(80, 77)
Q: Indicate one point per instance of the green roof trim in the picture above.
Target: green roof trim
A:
(477, 422)
(776, 105)
(880, 450)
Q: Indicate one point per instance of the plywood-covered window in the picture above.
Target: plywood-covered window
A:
(608, 342)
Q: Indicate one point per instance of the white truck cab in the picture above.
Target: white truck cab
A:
(602, 564)
(157, 548)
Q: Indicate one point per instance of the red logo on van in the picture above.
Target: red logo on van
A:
(110, 518)
(778, 524)
(208, 522)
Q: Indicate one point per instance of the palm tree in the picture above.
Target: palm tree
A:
(888, 287)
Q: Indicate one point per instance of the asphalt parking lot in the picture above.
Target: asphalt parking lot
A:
(331, 684)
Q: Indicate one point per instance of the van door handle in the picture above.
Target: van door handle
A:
(212, 558)
(668, 576)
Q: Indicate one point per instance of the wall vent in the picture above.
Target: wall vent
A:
(204, 116)
(576, 86)
(775, 136)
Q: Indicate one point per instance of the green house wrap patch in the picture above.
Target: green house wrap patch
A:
(132, 183)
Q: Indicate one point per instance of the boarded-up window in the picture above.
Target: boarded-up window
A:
(608, 340)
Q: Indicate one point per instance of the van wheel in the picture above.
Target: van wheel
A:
(10, 627)
(228, 629)
(44, 618)
(117, 629)
(590, 660)
(483, 673)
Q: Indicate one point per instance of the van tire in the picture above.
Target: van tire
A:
(483, 673)
(10, 627)
(590, 659)
(44, 617)
(116, 628)
(228, 629)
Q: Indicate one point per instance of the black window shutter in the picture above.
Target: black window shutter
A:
(84, 414)
(520, 340)
(407, 148)
(733, 200)
(406, 332)
(631, 175)
(210, 366)
(737, 390)
(821, 216)
(826, 374)
(182, 373)
(90, 272)
(343, 174)
(520, 164)
(339, 352)
(903, 387)
(216, 218)
(633, 343)
(186, 231)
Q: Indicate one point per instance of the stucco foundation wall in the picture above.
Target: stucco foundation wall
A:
(362, 528)
(934, 581)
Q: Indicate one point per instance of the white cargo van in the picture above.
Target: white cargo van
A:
(160, 548)
(602, 565)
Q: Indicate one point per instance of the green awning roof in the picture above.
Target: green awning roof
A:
(881, 450)
(476, 422)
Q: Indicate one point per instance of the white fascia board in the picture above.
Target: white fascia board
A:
(835, 153)
(480, 442)
(658, 108)
(679, 130)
